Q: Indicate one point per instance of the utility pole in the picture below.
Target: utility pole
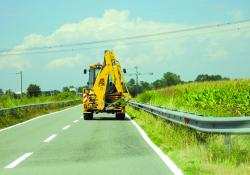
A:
(137, 74)
(21, 81)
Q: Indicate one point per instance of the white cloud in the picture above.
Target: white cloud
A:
(67, 62)
(113, 24)
(173, 50)
(14, 62)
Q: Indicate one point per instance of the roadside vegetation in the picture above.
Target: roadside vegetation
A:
(211, 98)
(34, 95)
(7, 101)
(19, 115)
(194, 152)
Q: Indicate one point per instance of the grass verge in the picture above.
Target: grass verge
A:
(195, 152)
(9, 119)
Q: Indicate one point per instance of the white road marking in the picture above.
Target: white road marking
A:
(75, 121)
(37, 118)
(81, 117)
(158, 151)
(50, 138)
(19, 160)
(65, 127)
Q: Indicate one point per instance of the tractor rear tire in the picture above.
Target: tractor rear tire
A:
(88, 116)
(120, 116)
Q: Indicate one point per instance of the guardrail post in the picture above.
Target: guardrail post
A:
(228, 141)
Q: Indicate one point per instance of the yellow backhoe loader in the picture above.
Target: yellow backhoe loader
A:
(106, 90)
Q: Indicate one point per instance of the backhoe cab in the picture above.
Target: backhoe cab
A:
(105, 90)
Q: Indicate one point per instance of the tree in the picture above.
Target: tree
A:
(202, 77)
(157, 84)
(170, 79)
(9, 92)
(1, 92)
(65, 89)
(55, 92)
(33, 90)
(133, 88)
(145, 85)
(51, 92)
(79, 89)
(131, 81)
(206, 77)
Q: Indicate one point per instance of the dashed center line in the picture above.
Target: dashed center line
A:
(19, 160)
(75, 121)
(65, 127)
(50, 138)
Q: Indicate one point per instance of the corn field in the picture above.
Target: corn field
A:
(217, 98)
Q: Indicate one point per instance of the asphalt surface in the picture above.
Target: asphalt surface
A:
(63, 143)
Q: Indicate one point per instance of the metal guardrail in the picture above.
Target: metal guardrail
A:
(28, 107)
(220, 125)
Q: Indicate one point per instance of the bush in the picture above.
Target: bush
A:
(34, 90)
(65, 96)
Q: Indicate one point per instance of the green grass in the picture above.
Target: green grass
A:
(218, 98)
(195, 152)
(7, 101)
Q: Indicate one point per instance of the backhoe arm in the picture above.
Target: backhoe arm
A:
(112, 69)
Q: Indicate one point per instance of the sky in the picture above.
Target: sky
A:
(28, 24)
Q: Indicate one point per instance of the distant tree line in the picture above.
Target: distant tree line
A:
(34, 90)
(206, 77)
(168, 79)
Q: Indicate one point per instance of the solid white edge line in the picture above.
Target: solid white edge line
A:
(45, 115)
(65, 127)
(75, 121)
(157, 150)
(50, 138)
(19, 160)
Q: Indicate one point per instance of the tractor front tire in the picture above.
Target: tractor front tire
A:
(88, 116)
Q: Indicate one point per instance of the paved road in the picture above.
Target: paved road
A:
(63, 143)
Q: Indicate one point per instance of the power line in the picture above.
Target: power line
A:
(103, 46)
(47, 49)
